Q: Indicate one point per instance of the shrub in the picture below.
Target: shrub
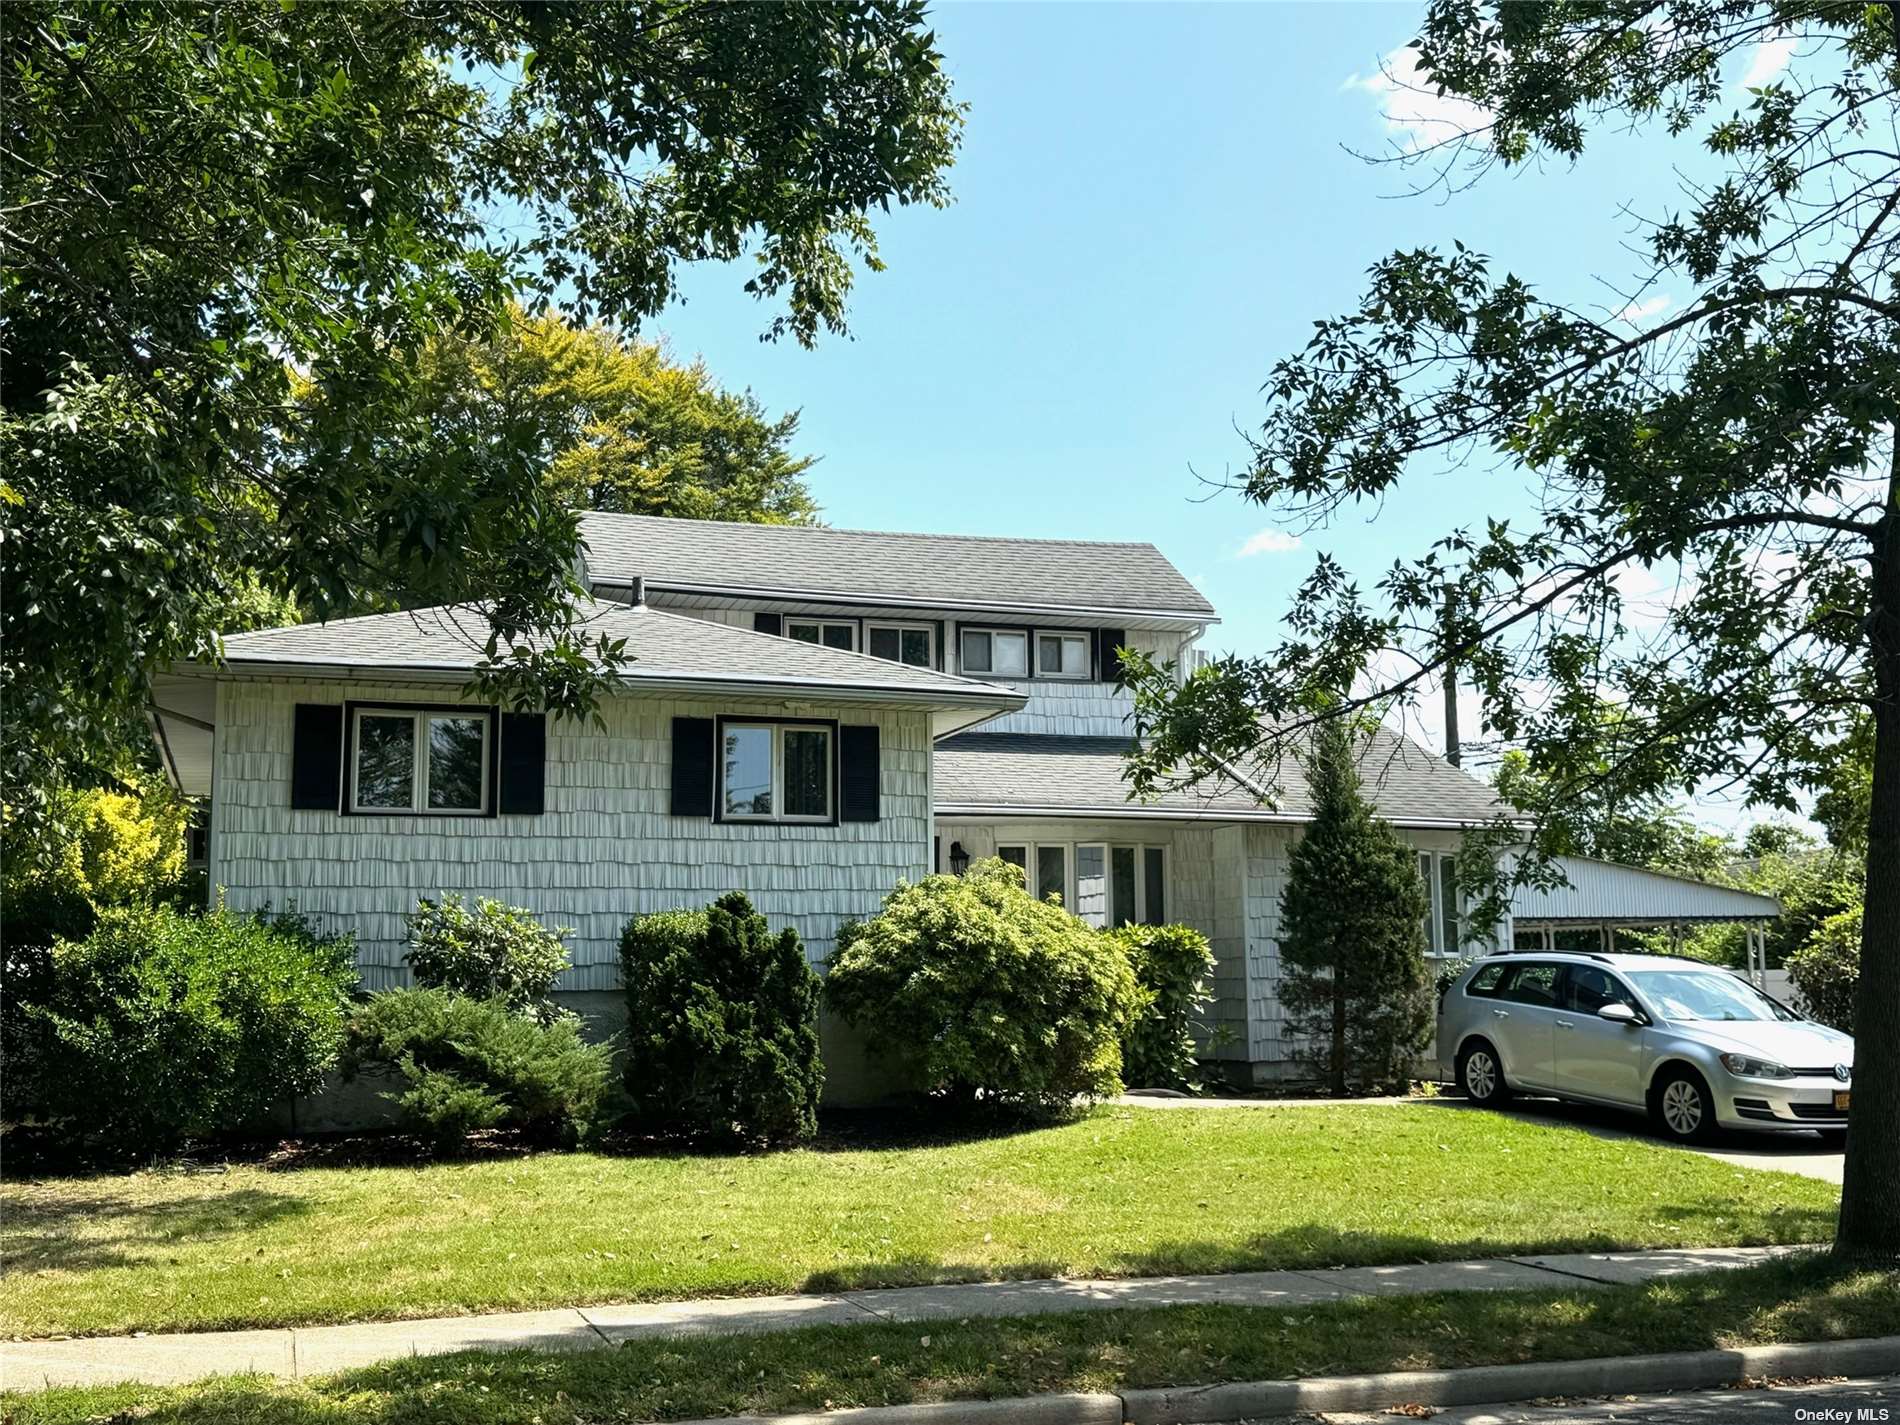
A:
(722, 1023)
(160, 1025)
(475, 1063)
(1826, 970)
(1352, 944)
(1171, 964)
(985, 990)
(494, 951)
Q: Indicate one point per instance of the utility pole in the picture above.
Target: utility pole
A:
(1452, 754)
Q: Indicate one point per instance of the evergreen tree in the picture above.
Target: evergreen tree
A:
(1352, 932)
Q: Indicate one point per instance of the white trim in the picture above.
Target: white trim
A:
(901, 627)
(777, 731)
(418, 720)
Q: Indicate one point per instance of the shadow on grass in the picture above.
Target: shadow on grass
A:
(896, 1363)
(42, 1228)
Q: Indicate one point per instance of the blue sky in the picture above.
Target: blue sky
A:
(1153, 204)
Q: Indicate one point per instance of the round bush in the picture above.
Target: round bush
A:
(494, 951)
(987, 992)
(158, 1025)
(722, 1024)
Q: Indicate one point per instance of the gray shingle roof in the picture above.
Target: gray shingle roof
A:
(872, 566)
(666, 648)
(995, 773)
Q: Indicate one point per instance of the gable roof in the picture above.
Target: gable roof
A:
(669, 651)
(876, 567)
(1014, 774)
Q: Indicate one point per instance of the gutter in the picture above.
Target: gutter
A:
(992, 811)
(759, 595)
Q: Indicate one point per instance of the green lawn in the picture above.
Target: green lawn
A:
(1124, 1192)
(886, 1364)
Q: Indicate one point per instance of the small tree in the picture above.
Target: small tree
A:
(1172, 965)
(1352, 932)
(722, 1023)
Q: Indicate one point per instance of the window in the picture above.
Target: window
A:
(420, 761)
(771, 771)
(830, 633)
(1062, 655)
(1531, 984)
(1443, 922)
(1484, 984)
(1015, 855)
(1586, 989)
(1154, 910)
(1113, 885)
(915, 644)
(1052, 873)
(1122, 896)
(1002, 653)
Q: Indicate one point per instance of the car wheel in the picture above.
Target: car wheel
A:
(1683, 1107)
(1481, 1076)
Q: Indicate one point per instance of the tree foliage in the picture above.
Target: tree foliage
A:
(1737, 457)
(490, 951)
(617, 425)
(232, 231)
(1352, 933)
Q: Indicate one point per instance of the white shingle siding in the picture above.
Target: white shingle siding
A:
(605, 848)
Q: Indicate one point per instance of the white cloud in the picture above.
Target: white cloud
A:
(1636, 313)
(1268, 541)
(1767, 60)
(1415, 114)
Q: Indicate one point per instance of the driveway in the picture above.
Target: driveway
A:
(1803, 1153)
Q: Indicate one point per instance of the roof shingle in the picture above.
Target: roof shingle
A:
(874, 566)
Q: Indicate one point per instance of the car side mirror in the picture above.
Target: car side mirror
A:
(1618, 1013)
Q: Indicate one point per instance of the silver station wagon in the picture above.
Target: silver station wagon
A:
(1689, 1043)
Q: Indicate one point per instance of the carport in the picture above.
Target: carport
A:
(1602, 898)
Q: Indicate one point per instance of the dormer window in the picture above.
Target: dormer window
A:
(1062, 655)
(995, 652)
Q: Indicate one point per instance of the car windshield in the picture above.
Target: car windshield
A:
(1706, 994)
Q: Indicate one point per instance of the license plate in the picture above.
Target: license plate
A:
(1840, 1101)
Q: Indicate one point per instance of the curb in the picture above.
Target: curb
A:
(1475, 1385)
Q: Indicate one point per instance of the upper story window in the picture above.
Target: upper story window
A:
(912, 643)
(775, 771)
(1062, 655)
(831, 633)
(434, 762)
(998, 652)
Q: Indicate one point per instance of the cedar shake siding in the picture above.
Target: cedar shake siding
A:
(605, 845)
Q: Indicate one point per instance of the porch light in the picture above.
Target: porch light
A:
(959, 859)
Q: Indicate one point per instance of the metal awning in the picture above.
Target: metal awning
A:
(1604, 893)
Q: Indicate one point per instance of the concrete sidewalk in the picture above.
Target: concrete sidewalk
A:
(322, 1350)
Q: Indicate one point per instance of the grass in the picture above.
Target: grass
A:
(821, 1367)
(1124, 1192)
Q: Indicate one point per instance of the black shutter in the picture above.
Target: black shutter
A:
(1107, 640)
(316, 757)
(522, 789)
(858, 774)
(773, 624)
(692, 766)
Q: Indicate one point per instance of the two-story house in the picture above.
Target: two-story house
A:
(812, 715)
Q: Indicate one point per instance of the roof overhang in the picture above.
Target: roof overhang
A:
(989, 811)
(751, 596)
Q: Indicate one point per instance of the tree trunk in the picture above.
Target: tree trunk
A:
(1338, 1084)
(1870, 1190)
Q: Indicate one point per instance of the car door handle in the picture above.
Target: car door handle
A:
(1501, 1014)
(1565, 1024)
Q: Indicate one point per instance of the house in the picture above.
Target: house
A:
(812, 715)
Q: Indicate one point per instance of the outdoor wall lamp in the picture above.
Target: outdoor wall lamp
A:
(959, 859)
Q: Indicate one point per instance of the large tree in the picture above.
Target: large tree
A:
(618, 425)
(1739, 454)
(231, 230)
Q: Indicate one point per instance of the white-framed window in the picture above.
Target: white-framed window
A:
(1062, 655)
(1105, 884)
(831, 633)
(1444, 918)
(912, 643)
(432, 762)
(775, 771)
(996, 652)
